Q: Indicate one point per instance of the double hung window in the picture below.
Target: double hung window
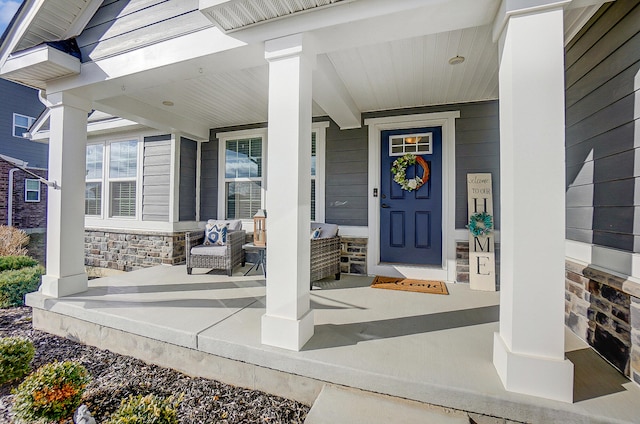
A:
(21, 124)
(31, 190)
(112, 173)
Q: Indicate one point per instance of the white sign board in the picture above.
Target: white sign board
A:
(482, 260)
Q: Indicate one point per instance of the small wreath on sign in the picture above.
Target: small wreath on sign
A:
(399, 171)
(480, 224)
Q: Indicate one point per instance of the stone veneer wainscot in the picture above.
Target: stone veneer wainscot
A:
(130, 250)
(353, 255)
(604, 310)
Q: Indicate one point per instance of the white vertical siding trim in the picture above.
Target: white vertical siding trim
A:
(321, 151)
(174, 178)
(446, 120)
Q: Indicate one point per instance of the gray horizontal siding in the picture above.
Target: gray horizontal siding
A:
(156, 179)
(123, 25)
(346, 176)
(187, 201)
(24, 101)
(602, 112)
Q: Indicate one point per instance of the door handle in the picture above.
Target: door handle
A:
(384, 205)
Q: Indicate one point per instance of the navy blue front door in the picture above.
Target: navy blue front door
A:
(411, 221)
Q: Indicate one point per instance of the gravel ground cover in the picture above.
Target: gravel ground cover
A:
(115, 377)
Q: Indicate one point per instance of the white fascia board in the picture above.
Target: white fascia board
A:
(19, 28)
(330, 93)
(212, 51)
(43, 56)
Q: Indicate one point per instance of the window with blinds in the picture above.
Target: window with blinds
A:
(123, 168)
(243, 177)
(313, 176)
(123, 198)
(93, 187)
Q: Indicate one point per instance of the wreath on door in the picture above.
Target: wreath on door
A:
(399, 171)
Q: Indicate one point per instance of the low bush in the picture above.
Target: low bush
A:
(16, 354)
(16, 262)
(51, 393)
(15, 284)
(13, 242)
(148, 409)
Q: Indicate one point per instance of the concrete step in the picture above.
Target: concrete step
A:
(337, 405)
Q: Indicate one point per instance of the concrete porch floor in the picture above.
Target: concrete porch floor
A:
(429, 348)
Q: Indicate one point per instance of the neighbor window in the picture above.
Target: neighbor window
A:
(21, 124)
(31, 190)
(243, 177)
(112, 173)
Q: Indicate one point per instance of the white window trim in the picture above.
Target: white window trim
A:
(247, 224)
(105, 218)
(30, 120)
(26, 190)
(321, 148)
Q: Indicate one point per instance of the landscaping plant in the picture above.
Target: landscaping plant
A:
(148, 409)
(16, 354)
(13, 241)
(16, 262)
(15, 284)
(51, 393)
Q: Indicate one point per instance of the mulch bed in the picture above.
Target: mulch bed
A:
(115, 377)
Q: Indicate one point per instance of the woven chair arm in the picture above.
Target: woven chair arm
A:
(193, 238)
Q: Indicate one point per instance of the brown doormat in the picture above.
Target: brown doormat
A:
(407, 284)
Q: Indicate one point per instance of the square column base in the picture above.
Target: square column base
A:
(64, 286)
(533, 375)
(286, 333)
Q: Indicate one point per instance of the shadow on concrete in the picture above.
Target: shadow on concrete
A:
(335, 335)
(593, 377)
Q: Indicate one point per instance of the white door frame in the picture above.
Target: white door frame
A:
(446, 120)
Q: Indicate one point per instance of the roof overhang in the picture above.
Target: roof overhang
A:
(232, 15)
(35, 66)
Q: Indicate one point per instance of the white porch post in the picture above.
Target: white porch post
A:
(288, 321)
(529, 349)
(65, 208)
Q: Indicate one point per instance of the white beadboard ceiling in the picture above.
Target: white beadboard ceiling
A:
(402, 73)
(399, 74)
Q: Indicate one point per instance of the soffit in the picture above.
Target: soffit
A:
(230, 15)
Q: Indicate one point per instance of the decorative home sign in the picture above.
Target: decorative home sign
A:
(482, 261)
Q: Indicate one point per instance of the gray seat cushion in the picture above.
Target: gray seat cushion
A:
(209, 250)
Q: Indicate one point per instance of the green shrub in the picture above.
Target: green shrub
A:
(149, 409)
(16, 354)
(16, 262)
(51, 393)
(15, 284)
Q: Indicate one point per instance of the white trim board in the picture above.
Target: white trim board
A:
(614, 261)
(446, 120)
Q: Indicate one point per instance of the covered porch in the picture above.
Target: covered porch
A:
(434, 349)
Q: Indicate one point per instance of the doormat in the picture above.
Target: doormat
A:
(407, 284)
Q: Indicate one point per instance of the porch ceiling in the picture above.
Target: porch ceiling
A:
(396, 74)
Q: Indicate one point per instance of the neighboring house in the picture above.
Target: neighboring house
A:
(23, 199)
(302, 110)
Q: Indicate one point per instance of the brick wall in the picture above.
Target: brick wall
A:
(598, 309)
(131, 250)
(26, 215)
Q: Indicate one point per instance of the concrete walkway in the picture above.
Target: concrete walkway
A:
(433, 349)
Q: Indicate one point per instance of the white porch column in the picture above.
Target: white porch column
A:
(65, 208)
(529, 349)
(288, 321)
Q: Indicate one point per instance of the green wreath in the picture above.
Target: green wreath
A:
(399, 171)
(480, 224)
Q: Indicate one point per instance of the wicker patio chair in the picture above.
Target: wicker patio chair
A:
(224, 257)
(325, 252)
